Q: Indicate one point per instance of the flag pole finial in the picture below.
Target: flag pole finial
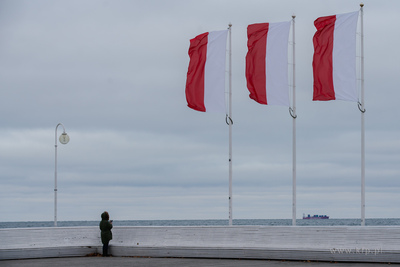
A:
(293, 16)
(362, 4)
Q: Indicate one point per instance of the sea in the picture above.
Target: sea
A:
(258, 222)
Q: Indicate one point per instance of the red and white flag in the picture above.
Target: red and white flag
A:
(334, 61)
(267, 63)
(205, 83)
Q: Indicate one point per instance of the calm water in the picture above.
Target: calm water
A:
(270, 222)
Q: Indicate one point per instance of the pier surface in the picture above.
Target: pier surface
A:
(372, 244)
(168, 262)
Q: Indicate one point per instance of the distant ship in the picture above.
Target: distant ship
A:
(315, 217)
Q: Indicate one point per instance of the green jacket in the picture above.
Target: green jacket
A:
(106, 234)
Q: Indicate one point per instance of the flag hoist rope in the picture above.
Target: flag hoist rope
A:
(230, 123)
(292, 111)
(362, 109)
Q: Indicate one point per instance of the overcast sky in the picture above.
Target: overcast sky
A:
(114, 73)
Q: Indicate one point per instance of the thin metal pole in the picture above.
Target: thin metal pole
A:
(294, 128)
(55, 176)
(55, 184)
(362, 122)
(230, 125)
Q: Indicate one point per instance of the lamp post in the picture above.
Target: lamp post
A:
(64, 139)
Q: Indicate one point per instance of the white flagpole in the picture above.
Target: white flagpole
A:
(294, 128)
(362, 109)
(230, 122)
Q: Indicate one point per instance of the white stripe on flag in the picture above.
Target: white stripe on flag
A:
(344, 57)
(276, 62)
(214, 74)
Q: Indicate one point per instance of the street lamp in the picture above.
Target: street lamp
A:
(64, 139)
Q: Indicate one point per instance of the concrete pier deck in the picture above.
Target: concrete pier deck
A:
(168, 262)
(370, 244)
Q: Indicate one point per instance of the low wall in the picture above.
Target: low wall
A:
(351, 244)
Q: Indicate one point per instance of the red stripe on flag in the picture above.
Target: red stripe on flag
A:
(322, 60)
(195, 75)
(255, 61)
